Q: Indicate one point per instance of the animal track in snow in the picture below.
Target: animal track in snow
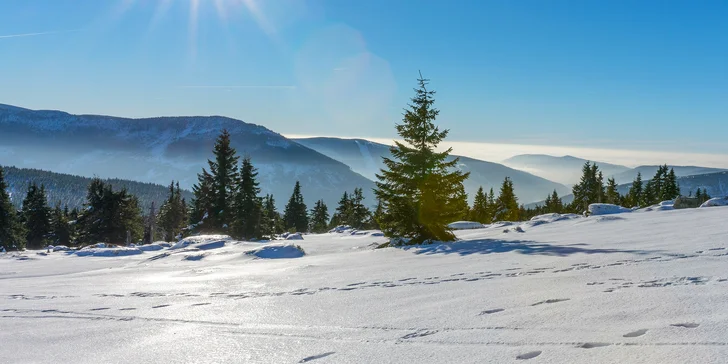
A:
(160, 306)
(314, 357)
(419, 333)
(488, 312)
(549, 301)
(528, 355)
(635, 333)
(593, 345)
(99, 309)
(687, 325)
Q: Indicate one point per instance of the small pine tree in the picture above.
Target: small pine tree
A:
(343, 212)
(635, 192)
(507, 208)
(376, 215)
(247, 206)
(110, 216)
(202, 204)
(271, 223)
(36, 217)
(480, 211)
(295, 217)
(173, 214)
(359, 212)
(612, 195)
(319, 217)
(60, 229)
(420, 192)
(553, 203)
(11, 230)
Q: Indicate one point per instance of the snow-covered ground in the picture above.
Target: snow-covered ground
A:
(640, 287)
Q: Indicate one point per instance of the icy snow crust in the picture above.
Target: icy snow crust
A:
(640, 287)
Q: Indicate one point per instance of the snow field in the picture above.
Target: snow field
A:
(628, 288)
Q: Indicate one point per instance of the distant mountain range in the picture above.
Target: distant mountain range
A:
(163, 149)
(566, 169)
(365, 158)
(70, 190)
(159, 150)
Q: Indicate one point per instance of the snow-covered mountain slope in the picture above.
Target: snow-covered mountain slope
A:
(365, 158)
(566, 169)
(163, 149)
(641, 287)
(649, 171)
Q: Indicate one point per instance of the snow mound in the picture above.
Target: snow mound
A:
(286, 251)
(195, 257)
(662, 206)
(717, 201)
(202, 242)
(555, 217)
(150, 247)
(341, 229)
(59, 248)
(294, 236)
(606, 209)
(107, 252)
(465, 225)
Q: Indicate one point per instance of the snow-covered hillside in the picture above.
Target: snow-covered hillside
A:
(640, 287)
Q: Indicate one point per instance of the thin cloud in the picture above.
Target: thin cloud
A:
(268, 87)
(37, 34)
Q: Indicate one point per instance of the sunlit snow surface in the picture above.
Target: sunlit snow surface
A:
(640, 287)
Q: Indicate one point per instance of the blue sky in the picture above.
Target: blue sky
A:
(612, 74)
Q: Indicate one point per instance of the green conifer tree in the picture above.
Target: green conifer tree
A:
(612, 195)
(480, 211)
(247, 206)
(635, 192)
(11, 231)
(507, 208)
(224, 174)
(295, 216)
(319, 217)
(420, 192)
(60, 229)
(36, 217)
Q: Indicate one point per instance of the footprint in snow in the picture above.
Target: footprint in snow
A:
(160, 306)
(314, 357)
(636, 333)
(99, 309)
(529, 355)
(127, 309)
(687, 325)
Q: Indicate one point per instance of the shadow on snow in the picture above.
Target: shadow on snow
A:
(489, 246)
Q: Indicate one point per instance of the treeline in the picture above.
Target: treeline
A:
(226, 199)
(70, 190)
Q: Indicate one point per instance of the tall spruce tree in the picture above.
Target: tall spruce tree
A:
(506, 205)
(491, 204)
(36, 217)
(224, 171)
(481, 211)
(420, 193)
(376, 215)
(295, 216)
(319, 217)
(11, 230)
(247, 206)
(590, 188)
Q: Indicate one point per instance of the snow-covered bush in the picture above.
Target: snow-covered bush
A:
(294, 236)
(465, 225)
(285, 251)
(716, 201)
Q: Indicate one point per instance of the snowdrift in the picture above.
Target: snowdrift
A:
(465, 225)
(202, 242)
(717, 201)
(606, 209)
(286, 251)
(294, 236)
(107, 252)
